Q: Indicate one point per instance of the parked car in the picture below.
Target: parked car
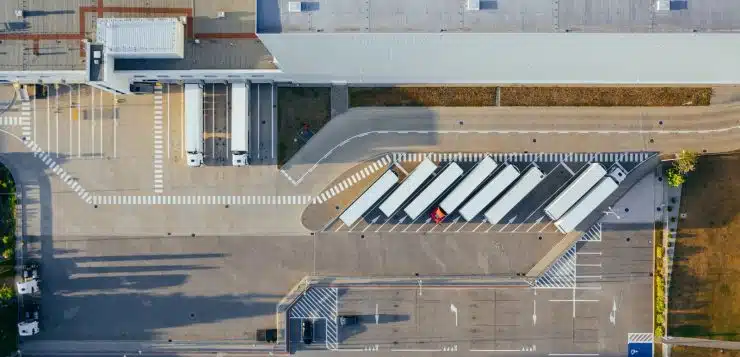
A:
(307, 331)
(141, 88)
(267, 335)
(349, 320)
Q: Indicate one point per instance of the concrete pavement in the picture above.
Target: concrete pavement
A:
(362, 133)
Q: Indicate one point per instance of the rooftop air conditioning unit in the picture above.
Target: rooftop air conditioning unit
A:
(474, 5)
(295, 6)
(662, 5)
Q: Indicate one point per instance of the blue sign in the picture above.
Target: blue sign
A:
(640, 349)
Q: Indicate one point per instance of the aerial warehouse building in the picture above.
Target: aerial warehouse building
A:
(240, 124)
(439, 185)
(194, 124)
(571, 194)
(489, 192)
(480, 172)
(511, 198)
(408, 187)
(368, 198)
(586, 205)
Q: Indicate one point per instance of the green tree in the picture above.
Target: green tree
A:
(7, 253)
(675, 178)
(6, 293)
(686, 161)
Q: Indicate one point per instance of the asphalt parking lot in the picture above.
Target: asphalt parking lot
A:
(526, 217)
(588, 303)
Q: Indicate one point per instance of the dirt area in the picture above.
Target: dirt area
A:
(422, 96)
(690, 351)
(605, 96)
(302, 112)
(704, 298)
(528, 96)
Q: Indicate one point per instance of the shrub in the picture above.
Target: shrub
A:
(686, 161)
(6, 293)
(675, 178)
(658, 332)
(7, 253)
(659, 320)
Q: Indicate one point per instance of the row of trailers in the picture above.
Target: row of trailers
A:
(239, 124)
(489, 188)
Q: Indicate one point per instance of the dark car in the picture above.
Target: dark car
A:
(141, 88)
(307, 331)
(349, 320)
(268, 335)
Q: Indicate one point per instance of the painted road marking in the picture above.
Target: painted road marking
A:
(158, 140)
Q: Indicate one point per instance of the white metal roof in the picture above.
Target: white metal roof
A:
(527, 58)
(142, 37)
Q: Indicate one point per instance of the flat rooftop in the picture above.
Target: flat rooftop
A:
(497, 16)
(49, 35)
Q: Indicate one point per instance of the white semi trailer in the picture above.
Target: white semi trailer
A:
(240, 124)
(194, 124)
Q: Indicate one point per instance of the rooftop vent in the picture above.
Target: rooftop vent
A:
(295, 6)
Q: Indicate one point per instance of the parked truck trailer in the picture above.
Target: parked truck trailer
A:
(240, 124)
(489, 192)
(531, 178)
(194, 124)
(575, 190)
(437, 187)
(586, 205)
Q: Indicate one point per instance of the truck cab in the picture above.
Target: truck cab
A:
(195, 159)
(29, 324)
(438, 215)
(29, 282)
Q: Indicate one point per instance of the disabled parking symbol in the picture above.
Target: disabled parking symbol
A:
(640, 350)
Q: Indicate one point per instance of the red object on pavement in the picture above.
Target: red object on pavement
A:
(438, 215)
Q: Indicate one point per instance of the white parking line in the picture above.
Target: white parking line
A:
(424, 224)
(48, 120)
(168, 117)
(451, 224)
(56, 94)
(572, 354)
(496, 350)
(100, 104)
(399, 222)
(478, 226)
(589, 253)
(115, 126)
(572, 300)
(461, 227)
(589, 265)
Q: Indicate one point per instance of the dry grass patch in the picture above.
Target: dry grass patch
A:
(691, 351)
(422, 96)
(604, 96)
(704, 298)
(302, 112)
